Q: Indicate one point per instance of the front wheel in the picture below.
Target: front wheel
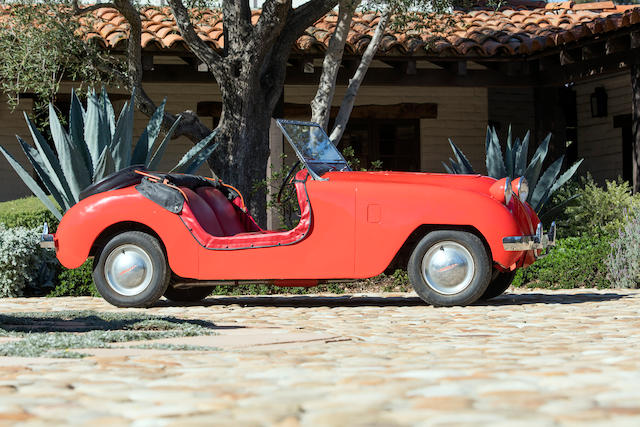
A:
(131, 270)
(449, 267)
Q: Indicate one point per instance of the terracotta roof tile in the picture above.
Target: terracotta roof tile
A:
(521, 28)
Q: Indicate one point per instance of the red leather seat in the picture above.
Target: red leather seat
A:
(226, 214)
(203, 213)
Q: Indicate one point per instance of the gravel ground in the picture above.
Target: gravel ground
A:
(527, 358)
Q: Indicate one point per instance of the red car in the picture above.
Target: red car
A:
(461, 237)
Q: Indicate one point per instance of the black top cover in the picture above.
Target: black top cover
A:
(120, 179)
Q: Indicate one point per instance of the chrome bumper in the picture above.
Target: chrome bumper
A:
(46, 239)
(540, 240)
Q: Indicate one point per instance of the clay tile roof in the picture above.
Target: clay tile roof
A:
(520, 28)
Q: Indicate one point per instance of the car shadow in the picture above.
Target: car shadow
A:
(303, 301)
(85, 321)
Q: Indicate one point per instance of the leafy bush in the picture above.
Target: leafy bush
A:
(28, 212)
(599, 211)
(623, 263)
(24, 266)
(575, 262)
(75, 283)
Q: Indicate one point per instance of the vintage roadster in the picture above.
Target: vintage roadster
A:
(461, 237)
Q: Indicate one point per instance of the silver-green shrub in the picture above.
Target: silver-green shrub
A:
(23, 264)
(623, 263)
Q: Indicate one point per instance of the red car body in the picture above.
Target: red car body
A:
(360, 221)
(353, 225)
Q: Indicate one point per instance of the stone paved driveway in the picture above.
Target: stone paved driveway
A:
(528, 358)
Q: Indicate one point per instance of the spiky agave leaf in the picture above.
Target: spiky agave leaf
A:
(189, 157)
(97, 133)
(533, 170)
(494, 161)
(143, 149)
(76, 130)
(105, 165)
(447, 168)
(52, 164)
(542, 189)
(201, 158)
(106, 110)
(41, 169)
(71, 159)
(508, 155)
(566, 176)
(520, 164)
(157, 156)
(31, 183)
(123, 136)
(464, 166)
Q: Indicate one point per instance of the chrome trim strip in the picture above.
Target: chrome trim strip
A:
(538, 241)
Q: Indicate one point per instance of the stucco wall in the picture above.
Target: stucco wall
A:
(599, 143)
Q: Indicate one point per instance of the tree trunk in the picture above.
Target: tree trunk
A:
(242, 156)
(635, 121)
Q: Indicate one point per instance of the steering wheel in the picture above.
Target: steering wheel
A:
(286, 181)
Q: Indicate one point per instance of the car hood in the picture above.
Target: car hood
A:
(464, 182)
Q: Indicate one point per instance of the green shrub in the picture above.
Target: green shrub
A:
(623, 262)
(599, 211)
(28, 212)
(575, 262)
(24, 266)
(75, 283)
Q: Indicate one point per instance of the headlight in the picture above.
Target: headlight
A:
(501, 190)
(520, 188)
(523, 189)
(508, 191)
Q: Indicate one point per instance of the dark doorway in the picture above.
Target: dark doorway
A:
(623, 121)
(394, 142)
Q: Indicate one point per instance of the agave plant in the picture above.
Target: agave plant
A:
(514, 165)
(96, 145)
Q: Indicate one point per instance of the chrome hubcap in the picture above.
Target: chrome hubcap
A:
(448, 267)
(128, 270)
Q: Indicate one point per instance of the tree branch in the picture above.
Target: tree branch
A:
(236, 25)
(354, 84)
(203, 51)
(305, 15)
(78, 10)
(321, 103)
(298, 20)
(271, 21)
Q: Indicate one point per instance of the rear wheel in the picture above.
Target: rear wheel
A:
(194, 294)
(499, 283)
(449, 267)
(131, 270)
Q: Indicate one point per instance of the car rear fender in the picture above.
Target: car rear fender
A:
(92, 221)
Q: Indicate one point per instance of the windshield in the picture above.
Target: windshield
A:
(313, 147)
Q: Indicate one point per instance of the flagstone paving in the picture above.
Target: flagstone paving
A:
(527, 358)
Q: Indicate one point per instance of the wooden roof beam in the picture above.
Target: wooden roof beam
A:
(459, 68)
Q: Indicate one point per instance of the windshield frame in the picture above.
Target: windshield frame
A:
(309, 164)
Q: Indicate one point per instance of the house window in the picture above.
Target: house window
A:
(394, 142)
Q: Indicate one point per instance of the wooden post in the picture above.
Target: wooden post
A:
(275, 160)
(635, 112)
